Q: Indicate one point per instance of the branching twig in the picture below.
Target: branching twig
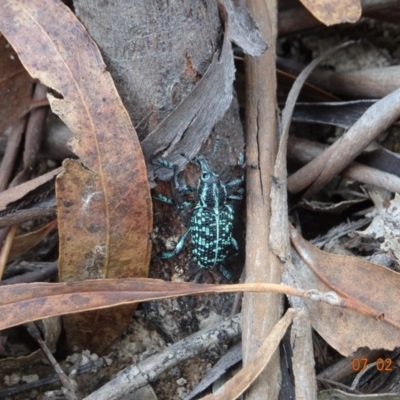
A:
(139, 375)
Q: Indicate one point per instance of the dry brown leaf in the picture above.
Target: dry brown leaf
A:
(355, 279)
(22, 303)
(104, 224)
(23, 243)
(331, 12)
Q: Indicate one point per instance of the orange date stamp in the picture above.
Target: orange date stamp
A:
(359, 364)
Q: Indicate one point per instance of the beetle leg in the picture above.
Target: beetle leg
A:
(225, 272)
(234, 243)
(164, 199)
(235, 182)
(178, 248)
(235, 197)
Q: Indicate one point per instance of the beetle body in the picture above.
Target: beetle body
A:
(211, 222)
(211, 237)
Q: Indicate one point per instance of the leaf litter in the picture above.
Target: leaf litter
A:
(104, 225)
(339, 273)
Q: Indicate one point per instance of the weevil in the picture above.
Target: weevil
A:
(211, 222)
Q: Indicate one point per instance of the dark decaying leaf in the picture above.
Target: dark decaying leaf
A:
(382, 159)
(343, 114)
(104, 225)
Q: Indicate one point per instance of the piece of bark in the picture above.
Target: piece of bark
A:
(179, 137)
(303, 363)
(261, 264)
(244, 30)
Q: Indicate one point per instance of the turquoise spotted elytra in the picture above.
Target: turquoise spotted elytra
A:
(212, 219)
